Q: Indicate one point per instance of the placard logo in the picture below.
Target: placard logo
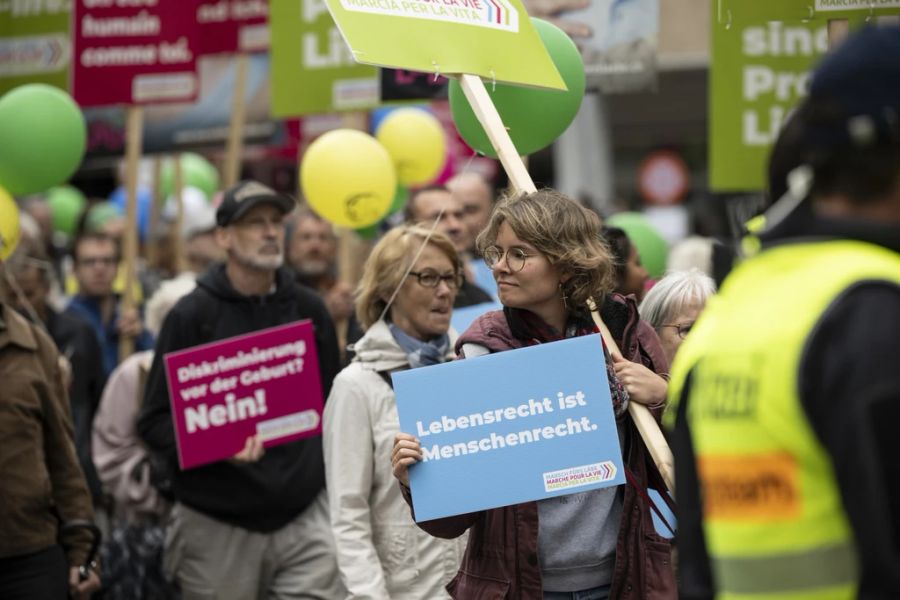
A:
(491, 14)
(574, 477)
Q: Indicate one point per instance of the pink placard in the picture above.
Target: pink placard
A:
(228, 26)
(264, 383)
(134, 52)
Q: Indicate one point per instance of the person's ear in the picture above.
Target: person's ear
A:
(223, 237)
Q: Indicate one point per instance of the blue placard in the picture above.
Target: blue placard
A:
(484, 277)
(510, 427)
(463, 317)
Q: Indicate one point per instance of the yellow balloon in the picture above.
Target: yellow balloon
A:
(348, 178)
(415, 140)
(9, 224)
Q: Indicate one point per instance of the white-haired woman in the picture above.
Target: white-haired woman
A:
(404, 302)
(672, 306)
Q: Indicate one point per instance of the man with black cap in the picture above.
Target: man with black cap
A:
(254, 526)
(785, 399)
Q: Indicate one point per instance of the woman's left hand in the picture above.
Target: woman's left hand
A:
(643, 385)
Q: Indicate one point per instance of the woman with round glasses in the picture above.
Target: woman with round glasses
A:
(672, 306)
(548, 261)
(404, 302)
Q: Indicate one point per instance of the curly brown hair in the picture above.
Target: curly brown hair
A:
(563, 231)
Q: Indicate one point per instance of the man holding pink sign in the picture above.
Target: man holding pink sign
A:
(233, 410)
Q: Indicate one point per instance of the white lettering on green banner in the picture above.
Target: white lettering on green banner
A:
(492, 14)
(313, 70)
(758, 73)
(731, 12)
(35, 46)
(491, 38)
(864, 5)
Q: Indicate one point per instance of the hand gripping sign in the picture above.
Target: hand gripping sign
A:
(510, 427)
(264, 383)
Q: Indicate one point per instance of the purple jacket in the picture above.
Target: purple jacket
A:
(501, 559)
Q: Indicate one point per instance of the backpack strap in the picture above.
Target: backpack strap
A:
(386, 375)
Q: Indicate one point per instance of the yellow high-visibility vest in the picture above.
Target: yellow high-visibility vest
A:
(774, 524)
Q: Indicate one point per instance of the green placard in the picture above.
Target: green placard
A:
(758, 72)
(35, 46)
(756, 11)
(313, 70)
(491, 38)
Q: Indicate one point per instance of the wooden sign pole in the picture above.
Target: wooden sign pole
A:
(133, 142)
(489, 118)
(235, 148)
(520, 180)
(178, 196)
(155, 213)
(643, 419)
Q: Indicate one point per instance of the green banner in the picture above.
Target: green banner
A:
(758, 72)
(733, 12)
(491, 38)
(35, 46)
(313, 70)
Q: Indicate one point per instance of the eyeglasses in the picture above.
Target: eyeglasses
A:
(104, 261)
(515, 258)
(432, 279)
(683, 329)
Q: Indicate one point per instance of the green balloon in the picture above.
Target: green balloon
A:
(650, 244)
(533, 117)
(196, 171)
(401, 197)
(368, 233)
(66, 204)
(42, 138)
(100, 214)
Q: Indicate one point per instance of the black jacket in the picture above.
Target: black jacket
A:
(76, 340)
(262, 496)
(849, 385)
(470, 294)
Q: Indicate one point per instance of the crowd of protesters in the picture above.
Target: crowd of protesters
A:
(807, 331)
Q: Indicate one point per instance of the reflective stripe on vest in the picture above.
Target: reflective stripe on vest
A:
(773, 518)
(828, 566)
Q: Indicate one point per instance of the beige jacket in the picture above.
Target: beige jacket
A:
(381, 553)
(122, 462)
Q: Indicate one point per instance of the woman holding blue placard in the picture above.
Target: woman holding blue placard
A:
(405, 301)
(549, 261)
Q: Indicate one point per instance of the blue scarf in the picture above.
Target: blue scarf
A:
(419, 353)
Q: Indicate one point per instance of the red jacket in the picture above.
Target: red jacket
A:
(501, 559)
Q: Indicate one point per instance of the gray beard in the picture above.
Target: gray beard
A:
(312, 269)
(259, 263)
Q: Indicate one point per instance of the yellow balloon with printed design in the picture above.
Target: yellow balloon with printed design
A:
(415, 140)
(348, 178)
(9, 224)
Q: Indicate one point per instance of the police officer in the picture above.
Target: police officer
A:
(786, 395)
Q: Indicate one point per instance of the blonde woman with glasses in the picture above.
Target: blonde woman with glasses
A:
(405, 300)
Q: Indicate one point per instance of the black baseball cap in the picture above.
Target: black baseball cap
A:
(243, 196)
(860, 80)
